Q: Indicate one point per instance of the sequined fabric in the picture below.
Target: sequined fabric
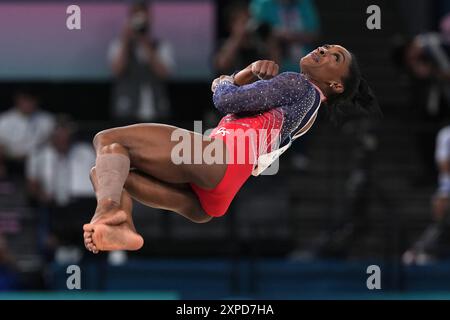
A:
(289, 92)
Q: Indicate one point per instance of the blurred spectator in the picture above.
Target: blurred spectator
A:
(58, 183)
(10, 190)
(141, 65)
(59, 171)
(248, 41)
(23, 128)
(428, 245)
(426, 59)
(295, 23)
(445, 27)
(8, 274)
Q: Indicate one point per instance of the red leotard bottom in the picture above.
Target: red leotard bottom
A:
(216, 201)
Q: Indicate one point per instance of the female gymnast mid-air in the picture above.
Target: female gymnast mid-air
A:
(140, 162)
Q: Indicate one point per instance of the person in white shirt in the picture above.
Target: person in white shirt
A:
(24, 127)
(56, 172)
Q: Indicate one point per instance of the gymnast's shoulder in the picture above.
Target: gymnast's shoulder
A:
(291, 75)
(291, 78)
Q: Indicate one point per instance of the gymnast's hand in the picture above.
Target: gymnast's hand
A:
(258, 70)
(261, 69)
(264, 69)
(218, 80)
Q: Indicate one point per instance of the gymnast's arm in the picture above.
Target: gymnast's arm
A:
(261, 95)
(261, 69)
(258, 70)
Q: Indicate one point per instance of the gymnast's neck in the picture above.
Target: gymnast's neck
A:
(316, 85)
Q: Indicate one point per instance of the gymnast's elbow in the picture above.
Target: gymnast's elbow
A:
(222, 104)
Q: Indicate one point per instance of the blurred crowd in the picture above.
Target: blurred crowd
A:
(425, 58)
(44, 162)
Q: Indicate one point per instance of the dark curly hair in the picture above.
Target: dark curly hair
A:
(357, 99)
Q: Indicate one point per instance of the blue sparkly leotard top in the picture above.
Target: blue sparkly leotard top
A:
(289, 98)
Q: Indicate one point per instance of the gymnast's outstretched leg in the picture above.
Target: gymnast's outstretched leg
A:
(157, 181)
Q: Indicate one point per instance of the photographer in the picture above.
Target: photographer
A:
(295, 24)
(141, 65)
(425, 59)
(246, 43)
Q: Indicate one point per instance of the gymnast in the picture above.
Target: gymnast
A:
(137, 161)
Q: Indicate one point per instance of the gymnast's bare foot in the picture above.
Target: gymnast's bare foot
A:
(106, 237)
(112, 227)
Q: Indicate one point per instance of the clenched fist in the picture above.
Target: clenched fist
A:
(264, 69)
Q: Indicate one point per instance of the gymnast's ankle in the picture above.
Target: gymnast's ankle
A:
(107, 204)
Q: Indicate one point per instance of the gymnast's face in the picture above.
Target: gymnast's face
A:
(327, 66)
